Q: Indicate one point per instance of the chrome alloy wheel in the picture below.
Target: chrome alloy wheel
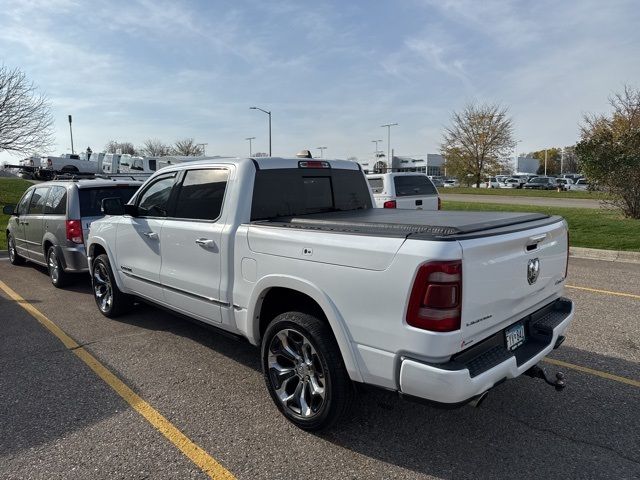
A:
(296, 373)
(102, 288)
(54, 267)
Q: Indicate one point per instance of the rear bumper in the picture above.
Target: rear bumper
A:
(479, 368)
(74, 258)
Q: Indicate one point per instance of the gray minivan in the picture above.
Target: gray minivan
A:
(50, 223)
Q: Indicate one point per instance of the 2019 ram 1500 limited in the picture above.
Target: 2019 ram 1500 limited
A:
(290, 254)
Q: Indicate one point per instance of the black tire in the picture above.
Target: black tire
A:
(59, 278)
(323, 370)
(14, 258)
(104, 286)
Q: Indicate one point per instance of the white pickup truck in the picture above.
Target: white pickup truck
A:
(290, 254)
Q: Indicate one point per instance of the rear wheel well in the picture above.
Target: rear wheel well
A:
(279, 300)
(95, 250)
(47, 244)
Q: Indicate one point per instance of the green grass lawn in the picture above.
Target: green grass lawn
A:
(525, 193)
(588, 227)
(11, 189)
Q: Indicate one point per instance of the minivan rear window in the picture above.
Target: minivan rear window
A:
(91, 198)
(408, 185)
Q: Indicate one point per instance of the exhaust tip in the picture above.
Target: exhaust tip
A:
(478, 399)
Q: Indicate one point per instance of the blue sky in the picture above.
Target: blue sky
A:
(331, 72)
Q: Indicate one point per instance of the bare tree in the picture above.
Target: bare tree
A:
(478, 142)
(25, 114)
(113, 146)
(154, 147)
(187, 147)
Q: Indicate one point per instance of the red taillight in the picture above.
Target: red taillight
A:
(436, 297)
(313, 164)
(439, 203)
(74, 231)
(389, 204)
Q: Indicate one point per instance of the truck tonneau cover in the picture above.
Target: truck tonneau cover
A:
(416, 224)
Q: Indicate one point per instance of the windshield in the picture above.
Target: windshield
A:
(408, 185)
(91, 198)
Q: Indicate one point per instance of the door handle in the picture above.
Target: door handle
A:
(205, 242)
(151, 235)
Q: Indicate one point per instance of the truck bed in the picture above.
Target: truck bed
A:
(415, 224)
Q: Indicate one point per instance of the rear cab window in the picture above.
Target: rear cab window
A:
(410, 185)
(91, 198)
(376, 184)
(292, 192)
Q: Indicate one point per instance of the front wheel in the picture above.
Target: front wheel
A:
(304, 371)
(14, 258)
(110, 300)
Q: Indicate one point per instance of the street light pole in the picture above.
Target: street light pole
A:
(322, 149)
(71, 132)
(376, 142)
(389, 159)
(250, 151)
(268, 113)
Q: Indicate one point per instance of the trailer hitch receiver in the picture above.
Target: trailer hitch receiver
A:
(538, 372)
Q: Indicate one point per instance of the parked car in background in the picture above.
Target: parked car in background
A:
(510, 183)
(581, 185)
(404, 190)
(436, 180)
(492, 182)
(451, 183)
(541, 183)
(564, 183)
(50, 223)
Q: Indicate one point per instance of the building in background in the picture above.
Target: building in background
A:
(432, 164)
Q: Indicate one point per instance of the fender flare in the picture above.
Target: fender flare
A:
(100, 241)
(336, 322)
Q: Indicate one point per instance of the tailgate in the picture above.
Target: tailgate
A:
(418, 202)
(499, 276)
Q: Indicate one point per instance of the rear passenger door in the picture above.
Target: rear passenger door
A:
(192, 245)
(33, 224)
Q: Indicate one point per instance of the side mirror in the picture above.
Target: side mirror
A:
(9, 209)
(112, 206)
(131, 210)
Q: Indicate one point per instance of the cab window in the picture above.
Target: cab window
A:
(36, 206)
(23, 206)
(154, 201)
(201, 194)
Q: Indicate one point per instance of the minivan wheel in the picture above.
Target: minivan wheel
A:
(14, 258)
(304, 371)
(58, 276)
(110, 300)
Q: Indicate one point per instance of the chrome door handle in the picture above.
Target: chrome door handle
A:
(205, 242)
(151, 235)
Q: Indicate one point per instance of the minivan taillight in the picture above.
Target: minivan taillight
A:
(436, 297)
(74, 231)
(389, 204)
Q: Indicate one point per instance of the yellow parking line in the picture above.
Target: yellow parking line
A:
(192, 451)
(591, 371)
(608, 292)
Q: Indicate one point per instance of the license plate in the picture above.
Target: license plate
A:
(515, 336)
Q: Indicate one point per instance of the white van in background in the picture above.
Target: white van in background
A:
(404, 190)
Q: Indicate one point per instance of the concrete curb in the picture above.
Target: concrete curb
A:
(608, 255)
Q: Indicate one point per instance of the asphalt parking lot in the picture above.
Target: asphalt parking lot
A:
(59, 419)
